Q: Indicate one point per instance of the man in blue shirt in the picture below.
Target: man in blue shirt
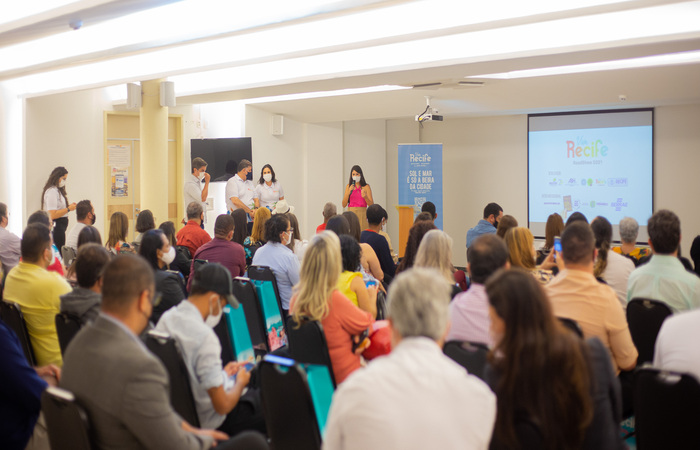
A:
(20, 391)
(492, 214)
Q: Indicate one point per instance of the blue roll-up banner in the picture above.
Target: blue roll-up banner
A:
(420, 177)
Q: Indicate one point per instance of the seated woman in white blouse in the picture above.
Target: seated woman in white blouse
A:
(269, 191)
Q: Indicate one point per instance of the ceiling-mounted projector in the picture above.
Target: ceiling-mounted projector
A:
(429, 115)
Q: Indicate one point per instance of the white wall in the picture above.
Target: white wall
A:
(364, 144)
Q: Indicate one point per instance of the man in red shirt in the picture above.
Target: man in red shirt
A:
(192, 235)
(329, 210)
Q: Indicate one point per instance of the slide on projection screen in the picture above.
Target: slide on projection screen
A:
(599, 163)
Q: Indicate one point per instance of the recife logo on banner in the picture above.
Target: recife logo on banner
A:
(420, 177)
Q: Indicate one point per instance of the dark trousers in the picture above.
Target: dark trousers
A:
(627, 389)
(59, 232)
(246, 416)
(248, 440)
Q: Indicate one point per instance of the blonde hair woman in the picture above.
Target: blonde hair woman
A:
(257, 234)
(318, 298)
(435, 251)
(521, 253)
(118, 230)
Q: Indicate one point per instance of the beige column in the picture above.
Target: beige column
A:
(154, 151)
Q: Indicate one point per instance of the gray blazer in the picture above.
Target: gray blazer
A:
(124, 390)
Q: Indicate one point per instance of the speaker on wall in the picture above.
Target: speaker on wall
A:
(133, 96)
(277, 128)
(167, 93)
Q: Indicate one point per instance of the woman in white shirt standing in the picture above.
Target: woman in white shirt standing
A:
(268, 190)
(55, 201)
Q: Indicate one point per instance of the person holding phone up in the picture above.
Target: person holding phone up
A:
(358, 195)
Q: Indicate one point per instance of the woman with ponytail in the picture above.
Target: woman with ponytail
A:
(609, 266)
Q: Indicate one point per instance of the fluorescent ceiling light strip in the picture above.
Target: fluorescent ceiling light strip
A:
(647, 61)
(17, 10)
(214, 16)
(320, 94)
(637, 26)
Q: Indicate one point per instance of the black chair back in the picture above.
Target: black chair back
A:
(68, 255)
(645, 318)
(67, 326)
(181, 398)
(66, 422)
(470, 355)
(307, 343)
(199, 263)
(11, 314)
(185, 251)
(288, 408)
(264, 273)
(666, 409)
(572, 325)
(244, 291)
(381, 305)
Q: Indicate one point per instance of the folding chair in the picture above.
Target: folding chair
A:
(268, 295)
(68, 255)
(572, 325)
(645, 317)
(11, 313)
(666, 408)
(66, 422)
(470, 355)
(307, 343)
(296, 399)
(244, 291)
(67, 326)
(181, 398)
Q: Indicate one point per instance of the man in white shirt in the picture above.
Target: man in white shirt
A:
(85, 214)
(194, 192)
(240, 192)
(676, 345)
(10, 244)
(416, 397)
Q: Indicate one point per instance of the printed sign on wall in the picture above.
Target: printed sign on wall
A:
(420, 177)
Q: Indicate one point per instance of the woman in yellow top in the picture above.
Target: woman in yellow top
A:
(522, 253)
(350, 283)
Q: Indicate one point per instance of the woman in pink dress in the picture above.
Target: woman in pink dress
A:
(358, 195)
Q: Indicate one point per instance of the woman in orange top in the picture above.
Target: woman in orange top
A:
(318, 298)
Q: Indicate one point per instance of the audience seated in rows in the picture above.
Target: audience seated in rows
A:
(554, 390)
(423, 216)
(664, 278)
(182, 262)
(221, 249)
(435, 251)
(521, 253)
(382, 232)
(21, 387)
(318, 298)
(576, 294)
(609, 266)
(279, 258)
(506, 223)
(469, 311)
(252, 243)
(350, 282)
(297, 245)
(192, 235)
(553, 228)
(144, 222)
(37, 292)
(629, 230)
(84, 300)
(416, 397)
(240, 220)
(85, 215)
(118, 232)
(42, 217)
(415, 236)
(489, 224)
(10, 244)
(329, 210)
(368, 258)
(156, 249)
(371, 236)
(220, 402)
(122, 386)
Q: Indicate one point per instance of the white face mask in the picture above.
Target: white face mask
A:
(356, 179)
(62, 183)
(384, 227)
(200, 176)
(169, 257)
(267, 177)
(213, 320)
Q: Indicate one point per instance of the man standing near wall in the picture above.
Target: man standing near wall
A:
(194, 192)
(240, 192)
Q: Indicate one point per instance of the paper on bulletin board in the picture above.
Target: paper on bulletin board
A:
(120, 182)
(119, 155)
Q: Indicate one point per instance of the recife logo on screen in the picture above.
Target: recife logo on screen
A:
(582, 149)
